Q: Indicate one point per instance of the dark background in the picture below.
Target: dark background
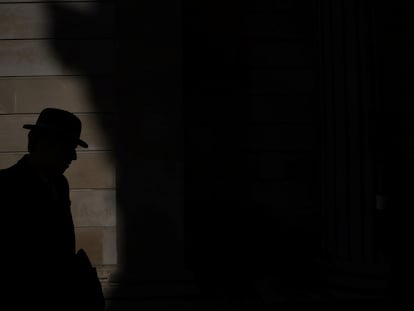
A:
(260, 148)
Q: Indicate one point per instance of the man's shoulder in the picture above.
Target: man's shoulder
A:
(16, 172)
(8, 172)
(10, 178)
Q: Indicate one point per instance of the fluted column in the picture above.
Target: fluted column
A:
(348, 101)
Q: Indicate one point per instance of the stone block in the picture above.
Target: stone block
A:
(31, 95)
(93, 208)
(20, 58)
(34, 21)
(92, 170)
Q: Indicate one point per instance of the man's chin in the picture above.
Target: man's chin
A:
(60, 170)
(64, 169)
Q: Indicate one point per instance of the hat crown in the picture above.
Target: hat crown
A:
(60, 120)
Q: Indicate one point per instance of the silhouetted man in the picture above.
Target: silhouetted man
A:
(39, 261)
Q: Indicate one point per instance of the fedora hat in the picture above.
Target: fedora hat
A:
(61, 122)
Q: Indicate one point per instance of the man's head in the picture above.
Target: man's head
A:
(53, 140)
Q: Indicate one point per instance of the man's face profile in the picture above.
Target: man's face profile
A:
(54, 153)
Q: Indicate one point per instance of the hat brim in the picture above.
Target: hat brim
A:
(36, 126)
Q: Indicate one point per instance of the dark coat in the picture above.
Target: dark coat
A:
(37, 238)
